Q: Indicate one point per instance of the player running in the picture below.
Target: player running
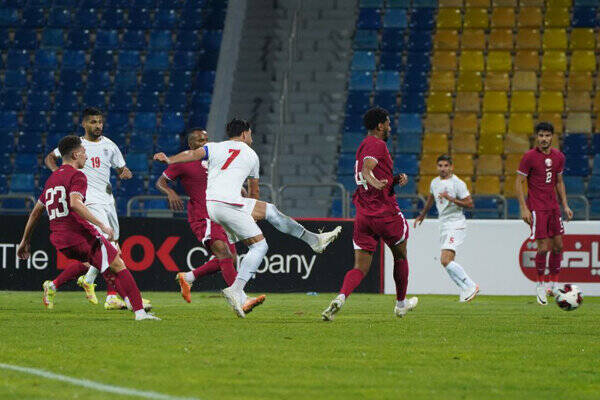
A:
(71, 231)
(543, 166)
(230, 164)
(377, 214)
(103, 154)
(193, 176)
(451, 195)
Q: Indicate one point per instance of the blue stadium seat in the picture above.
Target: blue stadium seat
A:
(204, 81)
(91, 3)
(593, 189)
(8, 121)
(137, 162)
(79, 39)
(160, 40)
(412, 102)
(133, 39)
(596, 165)
(574, 184)
(98, 80)
(33, 17)
(172, 4)
(369, 18)
(34, 122)
(351, 141)
(93, 98)
(102, 60)
(209, 60)
(595, 144)
(388, 81)
(59, 17)
(117, 123)
(425, 3)
(3, 184)
(147, 101)
(577, 165)
(346, 164)
(357, 108)
(153, 81)
(585, 17)
(363, 61)
(46, 59)
(579, 207)
(406, 163)
(418, 61)
(129, 59)
(140, 144)
(53, 38)
(201, 102)
(391, 61)
(361, 80)
(37, 101)
(595, 209)
(9, 17)
(126, 81)
(512, 208)
(113, 18)
(186, 60)
(157, 168)
(30, 143)
(409, 124)
(175, 101)
(18, 59)
(409, 188)
(121, 101)
(26, 163)
(172, 123)
(409, 144)
(422, 19)
(165, 19)
(358, 97)
(395, 18)
(158, 60)
(336, 208)
(107, 39)
(21, 183)
(52, 140)
(192, 19)
(134, 186)
(61, 122)
(25, 39)
(144, 123)
(392, 40)
(181, 81)
(42, 80)
(187, 40)
(586, 3)
(86, 18)
(70, 80)
(353, 123)
(415, 85)
(365, 40)
(348, 181)
(420, 41)
(370, 3)
(15, 79)
(11, 99)
(139, 18)
(575, 143)
(74, 60)
(387, 100)
(4, 40)
(215, 19)
(168, 144)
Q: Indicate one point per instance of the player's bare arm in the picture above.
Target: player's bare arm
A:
(562, 195)
(124, 173)
(525, 212)
(51, 161)
(184, 156)
(426, 208)
(76, 203)
(367, 171)
(253, 189)
(23, 251)
(400, 179)
(467, 202)
(175, 202)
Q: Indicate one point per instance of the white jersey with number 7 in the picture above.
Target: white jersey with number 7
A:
(230, 163)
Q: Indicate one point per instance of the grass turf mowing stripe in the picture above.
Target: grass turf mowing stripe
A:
(94, 385)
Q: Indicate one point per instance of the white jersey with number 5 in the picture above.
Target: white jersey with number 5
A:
(102, 156)
(230, 163)
(449, 213)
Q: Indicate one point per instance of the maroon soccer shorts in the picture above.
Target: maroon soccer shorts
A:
(546, 224)
(208, 232)
(97, 251)
(368, 231)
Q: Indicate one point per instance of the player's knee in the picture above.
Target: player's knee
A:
(261, 246)
(221, 250)
(557, 248)
(117, 265)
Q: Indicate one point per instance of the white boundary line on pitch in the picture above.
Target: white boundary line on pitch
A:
(101, 387)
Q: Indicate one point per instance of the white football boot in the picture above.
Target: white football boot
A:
(234, 300)
(541, 295)
(325, 239)
(333, 308)
(469, 294)
(409, 305)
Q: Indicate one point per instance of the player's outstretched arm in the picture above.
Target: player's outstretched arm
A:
(23, 250)
(253, 189)
(51, 161)
(562, 195)
(77, 205)
(525, 212)
(184, 156)
(175, 202)
(423, 214)
(124, 173)
(367, 171)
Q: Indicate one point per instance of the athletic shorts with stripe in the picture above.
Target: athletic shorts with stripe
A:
(97, 251)
(546, 224)
(208, 232)
(368, 230)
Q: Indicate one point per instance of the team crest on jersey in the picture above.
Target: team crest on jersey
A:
(548, 162)
(205, 164)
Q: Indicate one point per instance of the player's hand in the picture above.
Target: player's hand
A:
(526, 216)
(418, 220)
(379, 184)
(125, 174)
(446, 196)
(401, 179)
(24, 250)
(108, 230)
(175, 202)
(161, 157)
(569, 213)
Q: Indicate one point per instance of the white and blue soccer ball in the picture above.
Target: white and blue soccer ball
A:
(569, 297)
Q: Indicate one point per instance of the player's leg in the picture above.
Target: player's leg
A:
(89, 288)
(73, 270)
(401, 270)
(554, 261)
(451, 240)
(543, 246)
(317, 241)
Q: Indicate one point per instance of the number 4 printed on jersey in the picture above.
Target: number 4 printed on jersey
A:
(234, 154)
(358, 177)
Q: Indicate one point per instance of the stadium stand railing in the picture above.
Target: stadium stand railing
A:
(300, 195)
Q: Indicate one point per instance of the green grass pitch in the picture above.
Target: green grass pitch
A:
(493, 348)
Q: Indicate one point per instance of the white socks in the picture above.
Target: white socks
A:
(400, 303)
(250, 264)
(459, 276)
(285, 224)
(189, 277)
(91, 275)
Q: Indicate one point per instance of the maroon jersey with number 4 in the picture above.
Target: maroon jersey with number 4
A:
(541, 171)
(368, 200)
(67, 228)
(193, 176)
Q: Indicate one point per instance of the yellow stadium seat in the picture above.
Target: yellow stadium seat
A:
(500, 39)
(489, 164)
(551, 102)
(449, 18)
(477, 3)
(439, 102)
(499, 60)
(511, 164)
(505, 3)
(528, 38)
(522, 102)
(467, 102)
(425, 183)
(579, 101)
(552, 80)
(583, 60)
(492, 124)
(520, 122)
(495, 102)
(450, 3)
(580, 81)
(428, 164)
(527, 60)
(473, 39)
(442, 81)
(554, 39)
(463, 164)
(531, 3)
(444, 60)
(554, 61)
(529, 17)
(464, 143)
(471, 60)
(517, 143)
(476, 18)
(487, 185)
(446, 39)
(464, 123)
(437, 123)
(469, 81)
(557, 17)
(497, 81)
(582, 39)
(559, 3)
(524, 80)
(503, 17)
(597, 125)
(435, 143)
(596, 103)
(554, 118)
(578, 123)
(510, 184)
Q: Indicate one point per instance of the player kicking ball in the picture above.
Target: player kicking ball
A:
(542, 167)
(451, 195)
(230, 164)
(193, 177)
(377, 214)
(71, 229)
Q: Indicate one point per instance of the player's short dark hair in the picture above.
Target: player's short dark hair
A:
(544, 126)
(236, 126)
(91, 111)
(190, 131)
(444, 157)
(68, 144)
(374, 117)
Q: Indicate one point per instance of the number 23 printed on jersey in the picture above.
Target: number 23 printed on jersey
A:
(56, 202)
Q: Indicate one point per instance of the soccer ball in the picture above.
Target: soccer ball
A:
(569, 297)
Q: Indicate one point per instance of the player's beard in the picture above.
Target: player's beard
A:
(95, 134)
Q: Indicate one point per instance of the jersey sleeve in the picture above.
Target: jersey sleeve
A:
(56, 153)
(208, 148)
(117, 160)
(377, 151)
(256, 168)
(561, 163)
(172, 172)
(462, 192)
(78, 184)
(525, 165)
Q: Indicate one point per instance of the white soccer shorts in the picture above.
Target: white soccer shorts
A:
(236, 220)
(451, 238)
(107, 213)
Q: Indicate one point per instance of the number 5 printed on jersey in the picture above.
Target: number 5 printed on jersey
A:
(234, 154)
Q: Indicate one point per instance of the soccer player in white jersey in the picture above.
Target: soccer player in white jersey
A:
(451, 195)
(103, 154)
(230, 164)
